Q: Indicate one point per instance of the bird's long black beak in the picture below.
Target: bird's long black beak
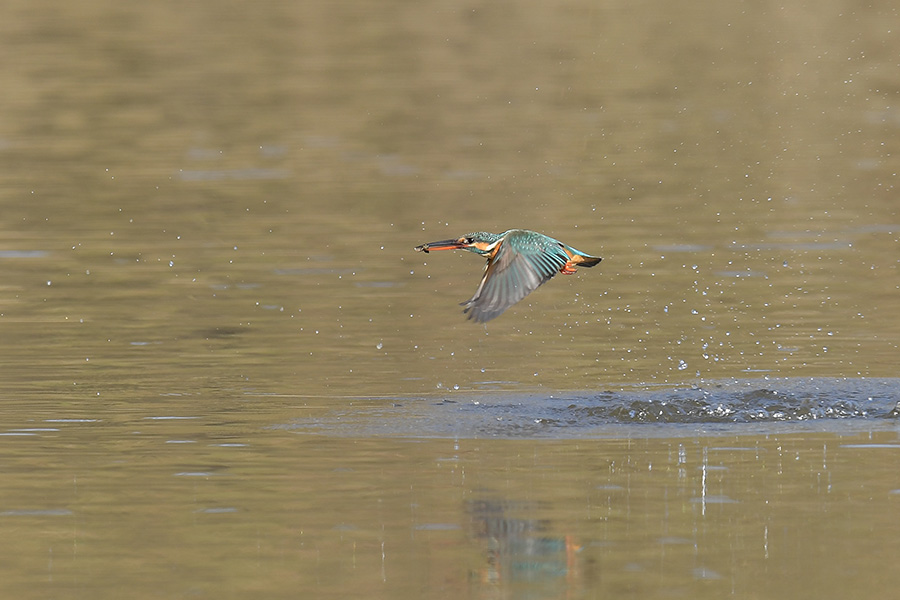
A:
(442, 245)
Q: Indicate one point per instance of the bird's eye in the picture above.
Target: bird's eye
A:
(467, 240)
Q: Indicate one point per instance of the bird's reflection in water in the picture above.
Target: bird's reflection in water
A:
(520, 549)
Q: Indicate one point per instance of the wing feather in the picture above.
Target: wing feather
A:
(511, 275)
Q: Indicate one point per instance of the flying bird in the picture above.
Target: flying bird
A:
(518, 262)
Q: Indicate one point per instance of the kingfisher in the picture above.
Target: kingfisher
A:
(518, 262)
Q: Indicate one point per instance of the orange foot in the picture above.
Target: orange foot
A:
(568, 268)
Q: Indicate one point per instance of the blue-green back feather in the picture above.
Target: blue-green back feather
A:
(524, 261)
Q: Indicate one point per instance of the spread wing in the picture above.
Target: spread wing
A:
(510, 275)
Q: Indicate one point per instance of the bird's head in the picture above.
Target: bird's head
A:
(479, 242)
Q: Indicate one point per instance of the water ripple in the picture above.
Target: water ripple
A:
(732, 406)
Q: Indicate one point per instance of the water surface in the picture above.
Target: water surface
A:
(225, 372)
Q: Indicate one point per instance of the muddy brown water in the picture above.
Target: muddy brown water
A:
(224, 372)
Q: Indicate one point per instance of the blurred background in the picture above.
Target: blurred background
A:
(234, 186)
(208, 211)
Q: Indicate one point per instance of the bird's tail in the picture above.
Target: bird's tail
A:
(585, 261)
